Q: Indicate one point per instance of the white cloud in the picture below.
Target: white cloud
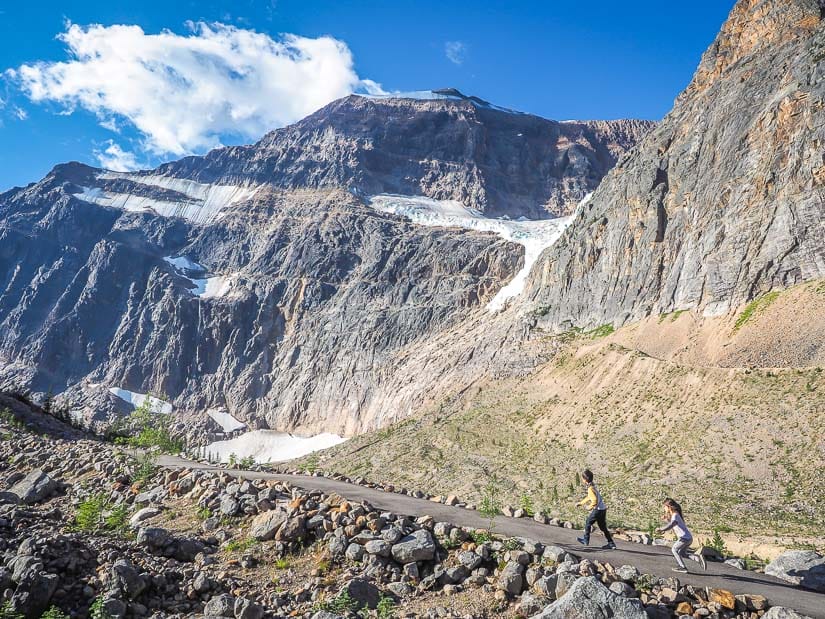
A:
(20, 113)
(113, 157)
(183, 92)
(456, 52)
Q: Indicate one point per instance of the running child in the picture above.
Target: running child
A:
(684, 538)
(598, 511)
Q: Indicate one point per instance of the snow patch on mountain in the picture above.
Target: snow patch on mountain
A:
(534, 235)
(182, 263)
(136, 399)
(269, 446)
(225, 420)
(201, 202)
(212, 287)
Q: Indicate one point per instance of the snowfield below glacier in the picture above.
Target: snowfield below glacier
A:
(534, 235)
(269, 446)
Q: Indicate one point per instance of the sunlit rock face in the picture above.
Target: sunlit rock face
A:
(262, 280)
(722, 201)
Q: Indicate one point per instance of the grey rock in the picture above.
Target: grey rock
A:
(143, 514)
(33, 594)
(127, 579)
(805, 568)
(531, 603)
(511, 578)
(229, 506)
(469, 559)
(590, 598)
(34, 487)
(220, 606)
(564, 582)
(627, 573)
(556, 554)
(362, 591)
(153, 537)
(379, 547)
(292, 530)
(264, 526)
(546, 586)
(623, 589)
(418, 546)
(247, 609)
(355, 552)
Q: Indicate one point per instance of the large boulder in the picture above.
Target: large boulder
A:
(805, 568)
(511, 579)
(127, 579)
(589, 598)
(418, 546)
(34, 487)
(363, 592)
(266, 525)
(33, 594)
(220, 606)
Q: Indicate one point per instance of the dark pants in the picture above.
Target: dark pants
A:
(599, 517)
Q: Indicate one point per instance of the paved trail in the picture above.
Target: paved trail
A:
(655, 560)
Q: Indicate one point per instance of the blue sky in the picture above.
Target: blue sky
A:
(137, 99)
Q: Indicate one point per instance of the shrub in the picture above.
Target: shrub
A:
(342, 603)
(96, 610)
(54, 613)
(145, 468)
(241, 545)
(526, 503)
(96, 514)
(148, 430)
(717, 543)
(385, 607)
(7, 613)
(490, 506)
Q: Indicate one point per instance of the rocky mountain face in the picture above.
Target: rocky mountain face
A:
(722, 201)
(449, 148)
(258, 280)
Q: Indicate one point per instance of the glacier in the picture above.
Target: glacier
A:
(202, 204)
(534, 235)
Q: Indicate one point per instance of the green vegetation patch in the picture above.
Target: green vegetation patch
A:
(754, 307)
(96, 514)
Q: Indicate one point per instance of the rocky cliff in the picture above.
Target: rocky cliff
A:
(722, 201)
(259, 280)
(441, 145)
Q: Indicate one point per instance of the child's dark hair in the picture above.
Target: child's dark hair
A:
(587, 475)
(673, 506)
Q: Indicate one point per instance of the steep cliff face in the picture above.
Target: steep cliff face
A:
(282, 313)
(449, 148)
(723, 200)
(261, 279)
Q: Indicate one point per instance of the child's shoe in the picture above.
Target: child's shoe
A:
(609, 546)
(582, 541)
(681, 570)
